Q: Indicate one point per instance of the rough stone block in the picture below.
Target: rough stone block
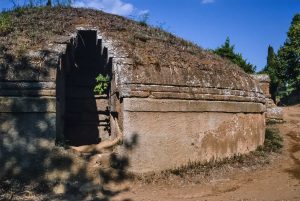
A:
(27, 104)
(166, 140)
(25, 141)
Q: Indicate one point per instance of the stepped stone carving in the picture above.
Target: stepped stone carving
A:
(273, 113)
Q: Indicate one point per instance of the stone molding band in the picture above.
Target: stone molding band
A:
(190, 93)
(165, 105)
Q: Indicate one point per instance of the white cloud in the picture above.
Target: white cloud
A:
(208, 1)
(143, 12)
(111, 6)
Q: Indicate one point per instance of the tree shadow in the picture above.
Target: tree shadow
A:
(31, 163)
(292, 99)
(295, 148)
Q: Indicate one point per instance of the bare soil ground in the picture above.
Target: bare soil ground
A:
(280, 180)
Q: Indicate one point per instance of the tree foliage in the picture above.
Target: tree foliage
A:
(276, 73)
(227, 51)
(289, 55)
(284, 67)
(49, 3)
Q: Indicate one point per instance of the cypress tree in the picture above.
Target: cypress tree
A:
(49, 3)
(227, 51)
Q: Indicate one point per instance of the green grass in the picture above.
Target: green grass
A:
(6, 25)
(273, 141)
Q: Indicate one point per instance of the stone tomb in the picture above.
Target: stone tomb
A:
(172, 115)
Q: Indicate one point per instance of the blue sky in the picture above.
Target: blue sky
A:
(251, 24)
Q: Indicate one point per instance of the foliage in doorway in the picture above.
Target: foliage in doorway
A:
(101, 84)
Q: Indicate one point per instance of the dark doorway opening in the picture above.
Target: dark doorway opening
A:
(86, 114)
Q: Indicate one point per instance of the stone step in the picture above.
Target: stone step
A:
(83, 79)
(87, 117)
(80, 135)
(86, 71)
(86, 134)
(83, 74)
(82, 92)
(87, 123)
(86, 105)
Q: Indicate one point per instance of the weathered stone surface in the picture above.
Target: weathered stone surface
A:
(25, 140)
(27, 104)
(90, 188)
(173, 114)
(59, 189)
(87, 105)
(190, 93)
(33, 66)
(28, 93)
(27, 85)
(29, 125)
(192, 81)
(27, 73)
(273, 113)
(261, 77)
(152, 105)
(166, 140)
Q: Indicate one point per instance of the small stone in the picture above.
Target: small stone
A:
(90, 188)
(59, 189)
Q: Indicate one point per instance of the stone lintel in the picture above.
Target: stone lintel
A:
(165, 105)
(27, 104)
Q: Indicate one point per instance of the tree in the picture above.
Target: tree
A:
(49, 3)
(276, 73)
(289, 55)
(227, 51)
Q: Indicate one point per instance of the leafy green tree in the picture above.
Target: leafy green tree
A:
(289, 55)
(227, 51)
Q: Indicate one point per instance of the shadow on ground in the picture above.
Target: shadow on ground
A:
(294, 152)
(31, 166)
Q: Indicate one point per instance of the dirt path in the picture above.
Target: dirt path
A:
(278, 181)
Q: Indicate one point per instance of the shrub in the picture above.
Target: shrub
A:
(143, 19)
